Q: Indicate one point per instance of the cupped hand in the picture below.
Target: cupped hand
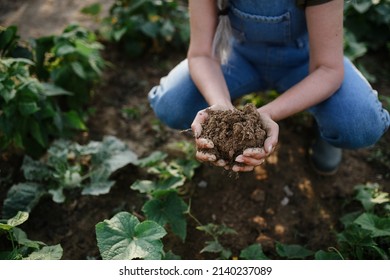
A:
(253, 157)
(202, 144)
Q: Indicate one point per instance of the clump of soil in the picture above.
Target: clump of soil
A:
(233, 131)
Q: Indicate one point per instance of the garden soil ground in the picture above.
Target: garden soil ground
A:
(281, 201)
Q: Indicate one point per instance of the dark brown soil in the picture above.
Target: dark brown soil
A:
(233, 131)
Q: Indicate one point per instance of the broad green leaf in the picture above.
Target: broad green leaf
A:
(120, 159)
(293, 251)
(47, 253)
(38, 133)
(323, 255)
(57, 195)
(123, 237)
(28, 108)
(53, 90)
(73, 120)
(349, 218)
(168, 209)
(18, 219)
(151, 160)
(79, 70)
(144, 186)
(369, 195)
(22, 197)
(213, 247)
(98, 188)
(362, 6)
(114, 153)
(355, 235)
(253, 252)
(150, 29)
(376, 225)
(21, 237)
(65, 49)
(34, 170)
(118, 34)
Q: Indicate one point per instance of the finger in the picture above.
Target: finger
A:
(249, 160)
(220, 163)
(196, 125)
(201, 156)
(245, 168)
(257, 153)
(203, 143)
(272, 137)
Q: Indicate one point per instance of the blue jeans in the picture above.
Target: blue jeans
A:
(271, 51)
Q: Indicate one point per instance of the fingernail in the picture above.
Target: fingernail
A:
(270, 147)
(239, 159)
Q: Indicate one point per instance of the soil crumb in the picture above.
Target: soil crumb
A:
(233, 131)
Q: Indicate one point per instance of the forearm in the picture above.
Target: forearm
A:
(207, 76)
(315, 88)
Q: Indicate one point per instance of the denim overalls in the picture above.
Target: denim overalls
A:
(271, 51)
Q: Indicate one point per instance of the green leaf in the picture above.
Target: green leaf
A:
(28, 108)
(47, 253)
(253, 252)
(38, 133)
(98, 188)
(144, 186)
(293, 251)
(21, 237)
(376, 225)
(216, 230)
(151, 160)
(65, 49)
(93, 9)
(22, 197)
(168, 209)
(369, 195)
(34, 170)
(362, 6)
(57, 195)
(18, 219)
(118, 34)
(53, 90)
(115, 154)
(73, 120)
(150, 29)
(323, 255)
(123, 237)
(212, 247)
(79, 70)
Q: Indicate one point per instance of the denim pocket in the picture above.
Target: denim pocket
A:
(261, 29)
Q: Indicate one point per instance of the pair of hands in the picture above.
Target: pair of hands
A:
(250, 158)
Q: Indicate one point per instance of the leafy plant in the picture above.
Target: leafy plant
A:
(367, 233)
(123, 237)
(29, 115)
(362, 17)
(215, 246)
(165, 205)
(10, 44)
(72, 61)
(68, 166)
(16, 246)
(253, 252)
(147, 25)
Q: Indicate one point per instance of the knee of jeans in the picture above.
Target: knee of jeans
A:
(168, 111)
(350, 136)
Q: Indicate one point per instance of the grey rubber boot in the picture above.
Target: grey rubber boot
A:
(325, 158)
